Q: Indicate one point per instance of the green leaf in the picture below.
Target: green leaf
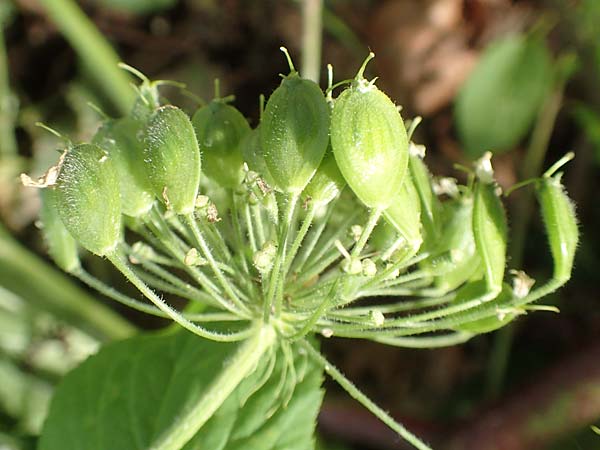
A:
(501, 98)
(128, 394)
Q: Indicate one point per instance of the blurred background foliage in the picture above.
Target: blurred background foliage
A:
(518, 78)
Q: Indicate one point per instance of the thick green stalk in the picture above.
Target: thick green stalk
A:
(312, 36)
(28, 276)
(240, 366)
(98, 57)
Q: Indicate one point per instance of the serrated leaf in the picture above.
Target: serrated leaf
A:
(124, 397)
(499, 101)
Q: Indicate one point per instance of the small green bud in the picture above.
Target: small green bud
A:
(264, 258)
(88, 199)
(173, 159)
(193, 258)
(119, 138)
(61, 245)
(369, 269)
(220, 129)
(352, 266)
(294, 132)
(377, 317)
(369, 142)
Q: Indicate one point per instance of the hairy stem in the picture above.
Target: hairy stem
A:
(355, 393)
(242, 364)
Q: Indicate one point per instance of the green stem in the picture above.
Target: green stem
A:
(273, 301)
(308, 220)
(175, 315)
(374, 216)
(312, 36)
(312, 240)
(240, 366)
(427, 342)
(95, 52)
(26, 275)
(114, 294)
(225, 283)
(355, 393)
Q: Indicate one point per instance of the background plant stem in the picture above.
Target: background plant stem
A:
(29, 277)
(312, 37)
(96, 54)
(8, 144)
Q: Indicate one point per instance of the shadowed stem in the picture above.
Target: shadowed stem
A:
(355, 393)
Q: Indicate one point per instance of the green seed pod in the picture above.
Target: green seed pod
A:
(253, 154)
(500, 306)
(327, 182)
(430, 204)
(87, 198)
(559, 217)
(219, 129)
(173, 158)
(62, 248)
(490, 232)
(404, 213)
(455, 258)
(369, 142)
(119, 138)
(294, 132)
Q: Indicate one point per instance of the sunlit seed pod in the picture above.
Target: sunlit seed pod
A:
(369, 142)
(327, 183)
(404, 213)
(119, 138)
(220, 129)
(172, 158)
(490, 231)
(62, 247)
(294, 133)
(560, 220)
(500, 310)
(87, 198)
